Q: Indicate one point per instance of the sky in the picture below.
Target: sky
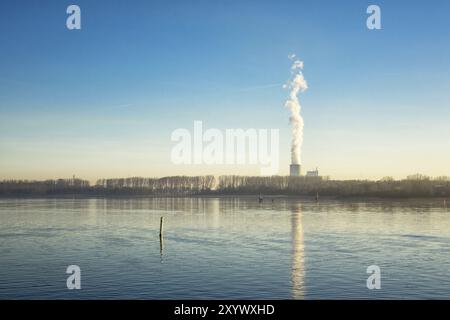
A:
(103, 101)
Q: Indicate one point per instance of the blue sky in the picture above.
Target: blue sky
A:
(102, 101)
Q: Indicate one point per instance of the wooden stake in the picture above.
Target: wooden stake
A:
(161, 227)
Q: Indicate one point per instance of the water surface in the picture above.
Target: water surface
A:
(224, 248)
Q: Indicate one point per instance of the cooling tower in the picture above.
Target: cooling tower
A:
(295, 170)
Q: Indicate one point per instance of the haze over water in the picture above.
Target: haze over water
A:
(233, 248)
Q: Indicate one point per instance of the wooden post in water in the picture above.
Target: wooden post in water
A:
(161, 239)
(161, 227)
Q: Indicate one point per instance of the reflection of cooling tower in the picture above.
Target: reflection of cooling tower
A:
(295, 170)
(298, 254)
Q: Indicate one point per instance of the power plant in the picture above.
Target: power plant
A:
(295, 84)
(295, 170)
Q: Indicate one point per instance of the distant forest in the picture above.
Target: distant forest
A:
(413, 186)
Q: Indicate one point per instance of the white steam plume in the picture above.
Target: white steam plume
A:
(295, 84)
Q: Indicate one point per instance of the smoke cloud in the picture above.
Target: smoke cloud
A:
(295, 84)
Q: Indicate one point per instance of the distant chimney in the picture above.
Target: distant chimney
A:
(295, 170)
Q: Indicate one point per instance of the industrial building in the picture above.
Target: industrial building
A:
(295, 170)
(313, 173)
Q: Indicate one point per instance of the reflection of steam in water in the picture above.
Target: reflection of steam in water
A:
(298, 253)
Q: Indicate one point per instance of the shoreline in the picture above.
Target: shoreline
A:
(266, 198)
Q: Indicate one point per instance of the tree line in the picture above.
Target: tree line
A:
(413, 186)
(46, 187)
(177, 185)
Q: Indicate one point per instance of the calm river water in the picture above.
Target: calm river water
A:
(224, 248)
